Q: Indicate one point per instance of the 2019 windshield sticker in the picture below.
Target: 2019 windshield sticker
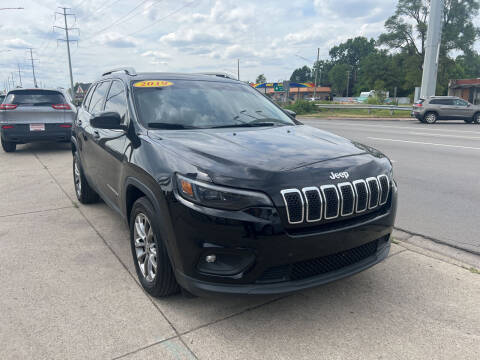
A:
(153, 83)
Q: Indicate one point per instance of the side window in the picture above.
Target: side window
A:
(450, 102)
(435, 102)
(96, 104)
(459, 102)
(116, 99)
(88, 97)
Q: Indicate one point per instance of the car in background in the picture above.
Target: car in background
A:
(445, 108)
(2, 97)
(28, 115)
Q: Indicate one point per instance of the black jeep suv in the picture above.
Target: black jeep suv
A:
(225, 192)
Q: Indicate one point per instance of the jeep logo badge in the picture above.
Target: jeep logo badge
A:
(339, 175)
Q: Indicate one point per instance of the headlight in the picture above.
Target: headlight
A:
(219, 197)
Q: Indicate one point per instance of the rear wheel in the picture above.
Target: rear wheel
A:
(430, 118)
(150, 256)
(85, 194)
(476, 118)
(8, 146)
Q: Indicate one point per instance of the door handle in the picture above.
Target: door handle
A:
(96, 134)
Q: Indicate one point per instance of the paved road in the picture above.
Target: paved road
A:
(437, 168)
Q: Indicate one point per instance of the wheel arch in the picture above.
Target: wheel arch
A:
(135, 189)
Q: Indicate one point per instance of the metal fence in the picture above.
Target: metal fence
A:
(392, 108)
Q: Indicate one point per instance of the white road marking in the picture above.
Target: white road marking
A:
(353, 125)
(445, 135)
(426, 143)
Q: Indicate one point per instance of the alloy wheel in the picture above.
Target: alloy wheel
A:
(77, 178)
(145, 247)
(430, 118)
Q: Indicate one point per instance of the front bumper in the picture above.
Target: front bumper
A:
(261, 252)
(21, 134)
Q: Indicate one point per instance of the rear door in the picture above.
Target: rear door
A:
(446, 108)
(89, 135)
(110, 146)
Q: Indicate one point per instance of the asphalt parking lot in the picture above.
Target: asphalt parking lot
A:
(437, 167)
(69, 288)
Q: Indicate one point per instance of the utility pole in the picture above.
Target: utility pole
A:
(13, 81)
(316, 75)
(432, 49)
(19, 75)
(68, 41)
(238, 69)
(33, 68)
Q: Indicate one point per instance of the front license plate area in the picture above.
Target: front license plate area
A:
(37, 127)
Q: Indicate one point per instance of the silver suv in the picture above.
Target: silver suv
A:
(445, 108)
(28, 115)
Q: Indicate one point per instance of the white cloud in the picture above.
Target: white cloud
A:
(16, 43)
(117, 40)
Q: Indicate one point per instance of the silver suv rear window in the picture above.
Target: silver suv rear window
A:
(34, 98)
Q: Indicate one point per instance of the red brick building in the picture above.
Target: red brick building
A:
(467, 89)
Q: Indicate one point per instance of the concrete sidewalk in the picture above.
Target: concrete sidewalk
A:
(69, 290)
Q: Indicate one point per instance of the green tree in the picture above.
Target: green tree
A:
(303, 74)
(323, 67)
(261, 79)
(338, 76)
(352, 51)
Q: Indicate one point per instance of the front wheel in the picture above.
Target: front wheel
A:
(476, 118)
(153, 266)
(8, 146)
(430, 118)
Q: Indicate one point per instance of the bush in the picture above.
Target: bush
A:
(302, 107)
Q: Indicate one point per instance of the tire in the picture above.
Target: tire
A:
(8, 146)
(430, 118)
(476, 118)
(421, 120)
(150, 256)
(85, 194)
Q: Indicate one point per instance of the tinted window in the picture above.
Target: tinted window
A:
(86, 100)
(204, 104)
(116, 100)
(96, 104)
(34, 98)
(2, 97)
(442, 102)
(460, 102)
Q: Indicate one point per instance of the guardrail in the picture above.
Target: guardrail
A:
(392, 108)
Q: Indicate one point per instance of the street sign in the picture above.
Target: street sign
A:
(278, 87)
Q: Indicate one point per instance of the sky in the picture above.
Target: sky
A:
(271, 37)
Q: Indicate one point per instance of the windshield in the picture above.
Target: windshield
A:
(185, 104)
(34, 98)
(2, 97)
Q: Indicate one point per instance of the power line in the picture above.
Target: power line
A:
(67, 40)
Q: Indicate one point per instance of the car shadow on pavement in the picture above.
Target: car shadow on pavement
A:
(44, 147)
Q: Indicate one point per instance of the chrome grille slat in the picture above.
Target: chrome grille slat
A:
(374, 190)
(327, 202)
(330, 202)
(384, 188)
(347, 196)
(314, 203)
(291, 197)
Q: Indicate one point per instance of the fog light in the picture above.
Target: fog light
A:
(210, 258)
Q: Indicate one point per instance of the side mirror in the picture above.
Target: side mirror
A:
(290, 113)
(107, 120)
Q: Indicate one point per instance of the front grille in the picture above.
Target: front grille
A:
(322, 265)
(329, 202)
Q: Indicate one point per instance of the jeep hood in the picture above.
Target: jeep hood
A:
(254, 152)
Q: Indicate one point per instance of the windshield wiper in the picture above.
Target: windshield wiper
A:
(251, 124)
(169, 126)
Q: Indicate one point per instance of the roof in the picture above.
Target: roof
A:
(464, 83)
(167, 76)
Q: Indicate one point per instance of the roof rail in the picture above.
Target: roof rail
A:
(219, 74)
(128, 70)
